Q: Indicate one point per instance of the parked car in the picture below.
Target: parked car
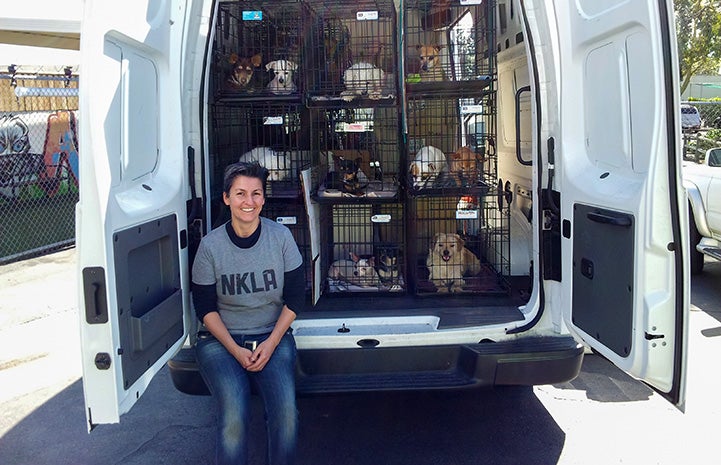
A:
(703, 187)
(690, 118)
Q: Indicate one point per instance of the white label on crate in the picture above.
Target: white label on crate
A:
(471, 109)
(363, 126)
(366, 15)
(471, 2)
(381, 218)
(252, 16)
(287, 220)
(466, 214)
(273, 120)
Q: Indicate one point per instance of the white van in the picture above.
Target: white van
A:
(570, 206)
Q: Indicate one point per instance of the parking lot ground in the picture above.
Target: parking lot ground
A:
(601, 417)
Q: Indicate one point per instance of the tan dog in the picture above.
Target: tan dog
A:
(466, 165)
(448, 260)
(430, 67)
(243, 69)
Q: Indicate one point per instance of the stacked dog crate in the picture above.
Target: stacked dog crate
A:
(257, 112)
(459, 241)
(353, 96)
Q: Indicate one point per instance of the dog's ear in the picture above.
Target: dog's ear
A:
(419, 47)
(233, 58)
(270, 66)
(257, 60)
(459, 240)
(354, 257)
(438, 48)
(292, 66)
(414, 169)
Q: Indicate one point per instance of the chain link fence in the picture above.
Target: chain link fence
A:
(38, 159)
(697, 140)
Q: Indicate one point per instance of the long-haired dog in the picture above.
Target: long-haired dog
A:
(429, 66)
(356, 270)
(278, 164)
(282, 83)
(448, 261)
(242, 70)
(363, 80)
(427, 166)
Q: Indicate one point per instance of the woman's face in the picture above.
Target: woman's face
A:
(245, 199)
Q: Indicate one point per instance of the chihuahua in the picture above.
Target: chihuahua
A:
(430, 67)
(242, 71)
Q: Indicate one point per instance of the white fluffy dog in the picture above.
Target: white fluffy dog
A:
(363, 79)
(278, 164)
(448, 260)
(282, 83)
(428, 164)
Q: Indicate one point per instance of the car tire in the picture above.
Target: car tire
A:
(697, 257)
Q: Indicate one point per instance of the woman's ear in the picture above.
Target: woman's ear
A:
(226, 199)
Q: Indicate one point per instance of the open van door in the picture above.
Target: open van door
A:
(131, 217)
(623, 218)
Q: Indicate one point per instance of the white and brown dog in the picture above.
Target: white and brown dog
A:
(358, 271)
(278, 164)
(427, 166)
(430, 66)
(282, 83)
(363, 80)
(448, 261)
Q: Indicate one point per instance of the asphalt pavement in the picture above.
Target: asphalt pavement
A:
(602, 417)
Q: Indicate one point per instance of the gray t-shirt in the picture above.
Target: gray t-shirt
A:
(248, 282)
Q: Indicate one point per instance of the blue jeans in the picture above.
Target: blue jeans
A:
(230, 385)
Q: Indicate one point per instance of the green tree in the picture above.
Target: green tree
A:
(698, 32)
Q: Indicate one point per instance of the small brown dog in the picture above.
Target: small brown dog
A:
(448, 261)
(465, 164)
(243, 69)
(430, 67)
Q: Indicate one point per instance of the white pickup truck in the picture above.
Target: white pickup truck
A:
(703, 185)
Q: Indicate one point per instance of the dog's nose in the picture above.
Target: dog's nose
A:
(446, 253)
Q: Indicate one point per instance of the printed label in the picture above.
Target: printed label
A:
(287, 220)
(466, 214)
(381, 218)
(252, 16)
(366, 15)
(471, 109)
(471, 2)
(268, 120)
(356, 127)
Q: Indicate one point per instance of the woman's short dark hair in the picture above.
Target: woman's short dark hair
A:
(249, 169)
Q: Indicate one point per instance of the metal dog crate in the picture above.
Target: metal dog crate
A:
(358, 154)
(269, 31)
(450, 145)
(355, 53)
(373, 234)
(292, 214)
(479, 223)
(449, 45)
(272, 133)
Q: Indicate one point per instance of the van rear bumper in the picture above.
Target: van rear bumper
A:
(527, 361)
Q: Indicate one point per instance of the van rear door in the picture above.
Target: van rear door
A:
(131, 217)
(617, 168)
